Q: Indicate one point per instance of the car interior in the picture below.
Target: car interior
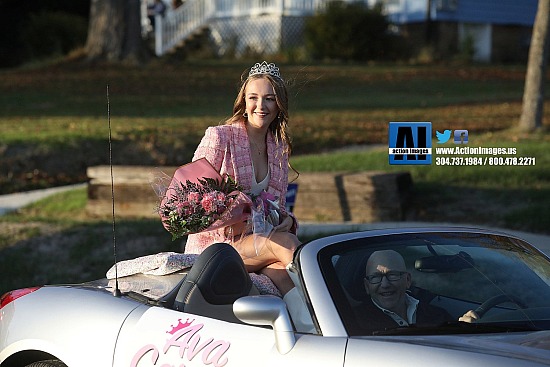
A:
(454, 273)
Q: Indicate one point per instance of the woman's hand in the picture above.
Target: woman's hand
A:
(285, 225)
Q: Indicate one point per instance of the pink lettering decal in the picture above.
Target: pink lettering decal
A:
(187, 339)
(183, 344)
(142, 352)
(193, 348)
(214, 354)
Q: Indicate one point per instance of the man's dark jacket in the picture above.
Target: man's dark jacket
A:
(371, 318)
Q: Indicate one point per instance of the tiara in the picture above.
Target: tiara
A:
(265, 68)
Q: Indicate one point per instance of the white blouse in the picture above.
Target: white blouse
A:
(258, 187)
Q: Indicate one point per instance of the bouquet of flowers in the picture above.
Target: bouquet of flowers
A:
(198, 199)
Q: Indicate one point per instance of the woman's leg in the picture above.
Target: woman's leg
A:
(279, 276)
(270, 256)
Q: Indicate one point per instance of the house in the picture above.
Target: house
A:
(488, 30)
(492, 30)
(235, 26)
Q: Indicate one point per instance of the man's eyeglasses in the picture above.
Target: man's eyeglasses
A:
(392, 276)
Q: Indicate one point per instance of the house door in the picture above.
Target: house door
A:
(479, 38)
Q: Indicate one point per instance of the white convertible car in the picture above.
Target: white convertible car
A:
(212, 314)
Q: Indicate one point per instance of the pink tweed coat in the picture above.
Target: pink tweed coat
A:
(227, 148)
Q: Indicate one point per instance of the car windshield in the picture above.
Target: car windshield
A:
(449, 274)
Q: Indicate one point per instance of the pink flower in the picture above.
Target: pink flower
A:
(220, 196)
(208, 203)
(193, 197)
(180, 206)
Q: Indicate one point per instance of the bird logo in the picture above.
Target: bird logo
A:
(443, 137)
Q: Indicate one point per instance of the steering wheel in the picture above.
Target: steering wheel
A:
(496, 300)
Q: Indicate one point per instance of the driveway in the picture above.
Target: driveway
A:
(13, 202)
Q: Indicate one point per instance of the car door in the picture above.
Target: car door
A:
(163, 337)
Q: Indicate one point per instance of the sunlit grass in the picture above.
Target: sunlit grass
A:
(159, 113)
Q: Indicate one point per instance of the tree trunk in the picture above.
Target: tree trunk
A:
(114, 31)
(429, 24)
(133, 46)
(533, 94)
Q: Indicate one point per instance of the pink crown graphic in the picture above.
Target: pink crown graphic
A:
(179, 326)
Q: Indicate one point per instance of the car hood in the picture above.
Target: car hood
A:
(529, 346)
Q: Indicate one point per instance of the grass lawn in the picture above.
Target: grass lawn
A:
(54, 124)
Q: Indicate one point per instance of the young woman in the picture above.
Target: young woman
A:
(253, 147)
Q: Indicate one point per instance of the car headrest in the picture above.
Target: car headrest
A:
(218, 277)
(351, 272)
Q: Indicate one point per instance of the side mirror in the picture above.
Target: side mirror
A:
(267, 311)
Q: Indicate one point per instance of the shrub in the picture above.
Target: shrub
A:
(349, 31)
(54, 33)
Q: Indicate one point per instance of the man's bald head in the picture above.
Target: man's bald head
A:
(385, 259)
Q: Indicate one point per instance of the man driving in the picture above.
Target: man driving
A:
(389, 305)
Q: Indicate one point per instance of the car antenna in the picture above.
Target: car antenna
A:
(116, 291)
